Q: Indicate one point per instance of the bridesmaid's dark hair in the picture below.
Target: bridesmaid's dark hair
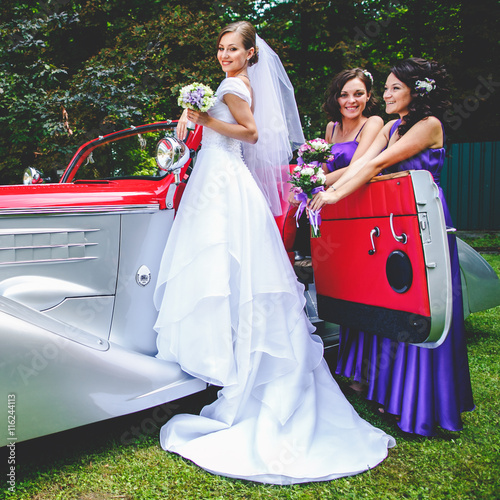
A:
(423, 103)
(248, 34)
(331, 105)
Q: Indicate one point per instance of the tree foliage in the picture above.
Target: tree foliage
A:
(71, 70)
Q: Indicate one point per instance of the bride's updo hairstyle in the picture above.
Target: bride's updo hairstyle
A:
(247, 32)
(428, 82)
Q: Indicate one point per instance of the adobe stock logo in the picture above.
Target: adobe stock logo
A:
(482, 92)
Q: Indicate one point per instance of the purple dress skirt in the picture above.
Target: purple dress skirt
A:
(426, 388)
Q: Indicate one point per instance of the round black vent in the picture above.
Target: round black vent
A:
(399, 271)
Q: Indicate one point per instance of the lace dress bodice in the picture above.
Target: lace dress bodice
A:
(220, 110)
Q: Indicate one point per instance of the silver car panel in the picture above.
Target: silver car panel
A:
(60, 384)
(480, 283)
(76, 330)
(434, 240)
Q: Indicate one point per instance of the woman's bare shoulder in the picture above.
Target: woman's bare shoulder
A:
(375, 120)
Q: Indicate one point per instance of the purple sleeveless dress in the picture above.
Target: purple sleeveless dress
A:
(426, 388)
(343, 152)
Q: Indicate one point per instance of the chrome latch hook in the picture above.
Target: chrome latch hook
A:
(400, 239)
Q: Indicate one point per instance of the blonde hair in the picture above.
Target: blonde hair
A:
(248, 34)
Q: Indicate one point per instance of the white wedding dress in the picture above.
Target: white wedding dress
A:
(231, 313)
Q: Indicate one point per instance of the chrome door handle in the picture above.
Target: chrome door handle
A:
(374, 232)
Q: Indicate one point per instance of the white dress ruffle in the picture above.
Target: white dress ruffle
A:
(231, 312)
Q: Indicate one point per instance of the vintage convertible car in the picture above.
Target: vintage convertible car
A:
(78, 266)
(78, 261)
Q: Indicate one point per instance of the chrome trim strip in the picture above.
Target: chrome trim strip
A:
(43, 230)
(9, 254)
(39, 247)
(51, 325)
(81, 210)
(47, 261)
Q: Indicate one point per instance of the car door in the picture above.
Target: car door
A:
(382, 262)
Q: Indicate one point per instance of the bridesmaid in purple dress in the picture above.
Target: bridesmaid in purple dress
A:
(353, 125)
(423, 388)
(350, 106)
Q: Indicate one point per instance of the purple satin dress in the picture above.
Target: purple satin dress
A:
(342, 152)
(426, 388)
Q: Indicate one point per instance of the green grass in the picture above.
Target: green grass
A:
(482, 241)
(93, 463)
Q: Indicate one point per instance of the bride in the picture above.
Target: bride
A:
(230, 306)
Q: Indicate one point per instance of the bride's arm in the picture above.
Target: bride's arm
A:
(182, 130)
(244, 129)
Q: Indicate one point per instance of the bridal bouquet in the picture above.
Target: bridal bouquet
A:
(315, 150)
(307, 180)
(196, 96)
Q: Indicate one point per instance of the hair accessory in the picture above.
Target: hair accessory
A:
(368, 75)
(425, 86)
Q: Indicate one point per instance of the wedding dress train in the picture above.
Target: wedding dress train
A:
(231, 312)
